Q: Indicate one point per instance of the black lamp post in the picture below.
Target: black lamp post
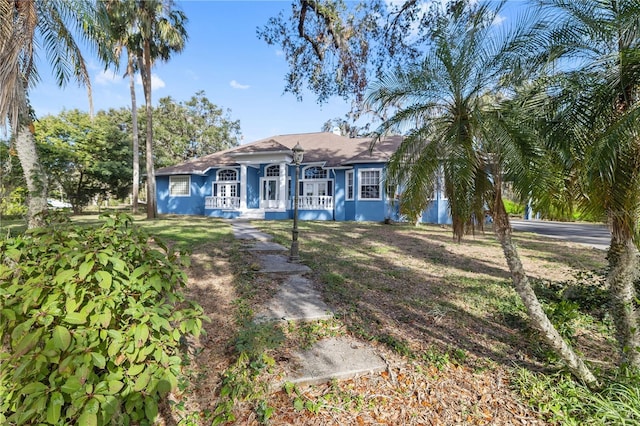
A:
(298, 153)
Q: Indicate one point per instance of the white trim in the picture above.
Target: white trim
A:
(346, 185)
(243, 187)
(379, 171)
(222, 169)
(171, 194)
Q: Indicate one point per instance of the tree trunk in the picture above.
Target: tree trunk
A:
(152, 211)
(25, 144)
(135, 190)
(538, 317)
(623, 271)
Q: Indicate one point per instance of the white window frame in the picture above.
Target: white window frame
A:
(349, 184)
(360, 184)
(172, 185)
(217, 184)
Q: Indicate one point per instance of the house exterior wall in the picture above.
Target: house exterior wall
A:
(187, 205)
(340, 212)
(365, 210)
(358, 209)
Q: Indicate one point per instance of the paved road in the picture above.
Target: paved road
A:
(593, 235)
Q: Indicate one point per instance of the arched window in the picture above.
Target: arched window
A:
(227, 175)
(272, 171)
(314, 172)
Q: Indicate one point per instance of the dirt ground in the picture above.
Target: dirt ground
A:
(419, 290)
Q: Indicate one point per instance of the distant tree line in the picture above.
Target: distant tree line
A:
(88, 159)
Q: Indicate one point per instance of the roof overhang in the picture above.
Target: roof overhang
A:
(260, 157)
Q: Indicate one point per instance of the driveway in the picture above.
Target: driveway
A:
(593, 235)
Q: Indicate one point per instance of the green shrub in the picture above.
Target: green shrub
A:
(14, 204)
(513, 208)
(91, 324)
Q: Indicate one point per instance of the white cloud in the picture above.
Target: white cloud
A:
(499, 19)
(105, 78)
(279, 52)
(237, 85)
(156, 82)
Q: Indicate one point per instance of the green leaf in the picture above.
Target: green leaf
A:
(55, 406)
(88, 419)
(150, 408)
(114, 387)
(118, 264)
(8, 314)
(142, 381)
(85, 268)
(98, 360)
(33, 388)
(64, 276)
(61, 338)
(76, 318)
(141, 335)
(163, 387)
(72, 385)
(135, 369)
(113, 349)
(28, 342)
(104, 279)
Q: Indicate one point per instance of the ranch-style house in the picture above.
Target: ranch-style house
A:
(340, 178)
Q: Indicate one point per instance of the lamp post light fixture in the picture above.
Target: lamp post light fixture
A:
(294, 255)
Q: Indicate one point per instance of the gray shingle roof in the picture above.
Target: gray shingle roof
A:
(328, 148)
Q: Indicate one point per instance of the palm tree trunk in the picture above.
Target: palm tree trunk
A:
(135, 190)
(152, 211)
(34, 176)
(538, 317)
(623, 261)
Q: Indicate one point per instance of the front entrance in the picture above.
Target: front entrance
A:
(269, 193)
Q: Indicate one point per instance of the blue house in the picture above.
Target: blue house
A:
(341, 178)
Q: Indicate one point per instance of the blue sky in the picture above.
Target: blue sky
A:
(223, 57)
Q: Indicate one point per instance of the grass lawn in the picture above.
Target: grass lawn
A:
(443, 315)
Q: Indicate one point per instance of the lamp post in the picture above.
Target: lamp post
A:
(294, 255)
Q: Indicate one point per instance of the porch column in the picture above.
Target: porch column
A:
(282, 201)
(243, 187)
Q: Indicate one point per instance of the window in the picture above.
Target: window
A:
(314, 172)
(273, 171)
(180, 186)
(369, 184)
(349, 184)
(227, 175)
(226, 187)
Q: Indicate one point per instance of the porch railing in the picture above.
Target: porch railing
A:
(222, 202)
(314, 202)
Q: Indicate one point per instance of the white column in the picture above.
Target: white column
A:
(282, 197)
(243, 187)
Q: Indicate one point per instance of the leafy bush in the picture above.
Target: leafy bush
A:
(14, 204)
(513, 208)
(91, 321)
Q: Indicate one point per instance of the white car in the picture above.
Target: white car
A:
(57, 204)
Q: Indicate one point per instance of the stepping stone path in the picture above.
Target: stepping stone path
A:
(298, 300)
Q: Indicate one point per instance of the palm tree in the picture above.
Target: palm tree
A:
(596, 119)
(149, 30)
(122, 17)
(20, 23)
(458, 127)
(160, 32)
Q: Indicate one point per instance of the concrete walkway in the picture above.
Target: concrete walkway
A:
(299, 300)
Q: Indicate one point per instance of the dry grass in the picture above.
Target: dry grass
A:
(442, 314)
